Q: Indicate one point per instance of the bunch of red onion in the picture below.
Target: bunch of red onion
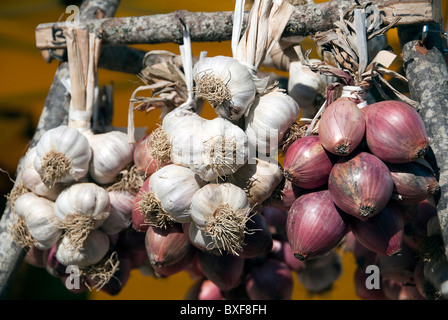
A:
(363, 175)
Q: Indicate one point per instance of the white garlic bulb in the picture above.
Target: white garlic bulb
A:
(32, 180)
(170, 192)
(269, 118)
(304, 85)
(216, 149)
(111, 153)
(38, 214)
(226, 84)
(120, 217)
(181, 120)
(81, 208)
(258, 178)
(93, 249)
(62, 155)
(219, 212)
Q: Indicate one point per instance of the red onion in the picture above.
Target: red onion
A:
(118, 281)
(281, 250)
(36, 257)
(145, 156)
(342, 127)
(275, 218)
(400, 267)
(364, 256)
(166, 246)
(362, 291)
(394, 290)
(259, 240)
(307, 163)
(131, 244)
(139, 220)
(395, 133)
(360, 185)
(226, 271)
(413, 182)
(289, 193)
(171, 269)
(315, 226)
(382, 233)
(269, 280)
(204, 289)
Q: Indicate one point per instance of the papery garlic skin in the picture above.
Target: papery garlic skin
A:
(173, 187)
(226, 83)
(269, 118)
(40, 220)
(181, 120)
(87, 199)
(66, 147)
(215, 149)
(33, 181)
(258, 179)
(94, 249)
(120, 217)
(304, 86)
(111, 153)
(216, 207)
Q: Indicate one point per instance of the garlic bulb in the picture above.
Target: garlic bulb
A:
(62, 155)
(226, 84)
(258, 179)
(170, 192)
(39, 219)
(111, 153)
(269, 118)
(93, 249)
(32, 180)
(219, 213)
(180, 120)
(216, 149)
(81, 208)
(120, 217)
(304, 86)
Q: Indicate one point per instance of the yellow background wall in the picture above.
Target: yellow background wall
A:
(25, 79)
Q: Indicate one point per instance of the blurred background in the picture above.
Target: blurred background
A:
(24, 84)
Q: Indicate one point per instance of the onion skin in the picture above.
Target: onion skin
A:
(139, 222)
(315, 225)
(382, 233)
(226, 271)
(413, 182)
(362, 292)
(289, 193)
(258, 241)
(342, 127)
(307, 163)
(204, 289)
(270, 280)
(395, 133)
(166, 246)
(143, 160)
(282, 251)
(360, 185)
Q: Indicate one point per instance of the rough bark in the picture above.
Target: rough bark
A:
(54, 113)
(217, 26)
(426, 71)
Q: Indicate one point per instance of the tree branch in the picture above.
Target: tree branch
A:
(426, 71)
(217, 26)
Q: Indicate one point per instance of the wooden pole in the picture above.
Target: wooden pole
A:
(54, 113)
